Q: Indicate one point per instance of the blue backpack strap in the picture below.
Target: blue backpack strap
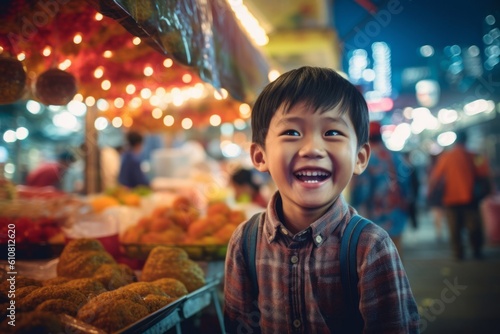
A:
(349, 273)
(249, 239)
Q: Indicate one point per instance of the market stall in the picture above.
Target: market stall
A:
(134, 65)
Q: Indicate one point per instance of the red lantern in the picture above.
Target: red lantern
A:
(55, 87)
(12, 80)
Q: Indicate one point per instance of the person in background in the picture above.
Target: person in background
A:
(310, 133)
(435, 203)
(131, 174)
(51, 173)
(246, 189)
(381, 193)
(457, 169)
(110, 166)
(414, 184)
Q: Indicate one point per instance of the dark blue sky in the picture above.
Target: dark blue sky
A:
(417, 22)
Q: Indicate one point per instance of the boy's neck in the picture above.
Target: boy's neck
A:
(299, 222)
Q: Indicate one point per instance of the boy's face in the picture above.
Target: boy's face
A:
(311, 157)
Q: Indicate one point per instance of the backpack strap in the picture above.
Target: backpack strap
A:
(349, 273)
(249, 246)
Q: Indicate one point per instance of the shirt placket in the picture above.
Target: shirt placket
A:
(295, 261)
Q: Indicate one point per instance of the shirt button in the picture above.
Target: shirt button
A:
(294, 259)
(296, 323)
(319, 239)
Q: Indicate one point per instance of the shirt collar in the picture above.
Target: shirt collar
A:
(321, 229)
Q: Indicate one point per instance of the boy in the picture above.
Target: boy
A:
(310, 132)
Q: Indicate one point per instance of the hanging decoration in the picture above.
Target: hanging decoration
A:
(55, 87)
(12, 80)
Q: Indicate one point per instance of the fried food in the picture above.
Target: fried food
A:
(20, 282)
(144, 289)
(82, 264)
(90, 287)
(58, 306)
(23, 292)
(113, 310)
(171, 286)
(56, 280)
(173, 262)
(113, 276)
(82, 245)
(155, 302)
(86, 258)
(31, 301)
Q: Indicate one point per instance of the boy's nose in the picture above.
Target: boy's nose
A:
(313, 147)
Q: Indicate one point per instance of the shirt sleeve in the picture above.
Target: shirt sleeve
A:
(241, 312)
(386, 300)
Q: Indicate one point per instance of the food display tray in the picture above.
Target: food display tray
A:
(173, 314)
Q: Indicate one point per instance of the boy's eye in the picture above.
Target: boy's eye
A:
(291, 133)
(332, 133)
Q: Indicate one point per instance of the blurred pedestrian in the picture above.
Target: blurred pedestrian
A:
(381, 193)
(456, 168)
(246, 188)
(131, 174)
(51, 173)
(434, 199)
(414, 193)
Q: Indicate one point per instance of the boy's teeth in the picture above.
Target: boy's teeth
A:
(309, 173)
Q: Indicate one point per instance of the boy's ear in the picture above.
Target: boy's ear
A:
(258, 156)
(362, 159)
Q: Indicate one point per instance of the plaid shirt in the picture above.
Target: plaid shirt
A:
(299, 279)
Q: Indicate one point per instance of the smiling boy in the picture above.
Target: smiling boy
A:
(310, 132)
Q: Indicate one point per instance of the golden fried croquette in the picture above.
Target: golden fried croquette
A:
(82, 245)
(20, 282)
(113, 310)
(23, 292)
(56, 280)
(156, 302)
(113, 276)
(171, 286)
(31, 301)
(110, 296)
(90, 287)
(144, 289)
(170, 254)
(82, 264)
(174, 263)
(58, 306)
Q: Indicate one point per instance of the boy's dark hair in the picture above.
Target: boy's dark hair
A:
(320, 88)
(134, 138)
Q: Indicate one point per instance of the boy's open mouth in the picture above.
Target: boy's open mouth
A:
(312, 175)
